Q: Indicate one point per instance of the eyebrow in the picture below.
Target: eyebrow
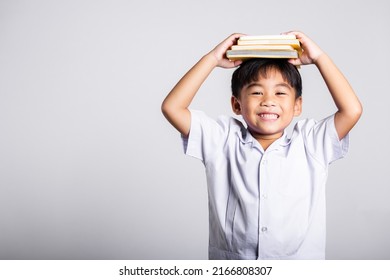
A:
(283, 85)
(260, 85)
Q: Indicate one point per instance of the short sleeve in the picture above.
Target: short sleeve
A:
(322, 141)
(206, 136)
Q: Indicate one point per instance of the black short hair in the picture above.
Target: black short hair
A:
(250, 69)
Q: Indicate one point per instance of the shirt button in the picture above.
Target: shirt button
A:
(264, 229)
(264, 196)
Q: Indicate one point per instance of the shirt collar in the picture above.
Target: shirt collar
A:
(246, 138)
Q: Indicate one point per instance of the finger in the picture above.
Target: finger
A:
(238, 35)
(297, 34)
(237, 63)
(231, 40)
(234, 37)
(230, 64)
(295, 61)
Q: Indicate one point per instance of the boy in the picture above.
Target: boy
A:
(266, 191)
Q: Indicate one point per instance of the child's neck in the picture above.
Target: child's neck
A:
(265, 143)
(266, 140)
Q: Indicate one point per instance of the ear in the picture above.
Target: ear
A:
(298, 106)
(236, 106)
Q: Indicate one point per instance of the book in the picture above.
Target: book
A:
(262, 47)
(246, 54)
(294, 42)
(266, 46)
(267, 37)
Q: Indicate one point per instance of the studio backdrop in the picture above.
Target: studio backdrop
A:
(89, 167)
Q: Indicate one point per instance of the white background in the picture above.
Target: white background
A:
(90, 169)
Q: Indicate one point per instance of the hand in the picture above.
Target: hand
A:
(311, 51)
(219, 52)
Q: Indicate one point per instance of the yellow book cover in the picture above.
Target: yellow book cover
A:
(267, 37)
(262, 47)
(247, 54)
(294, 42)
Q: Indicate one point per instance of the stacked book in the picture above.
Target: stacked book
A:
(270, 46)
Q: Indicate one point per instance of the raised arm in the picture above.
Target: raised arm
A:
(175, 105)
(347, 103)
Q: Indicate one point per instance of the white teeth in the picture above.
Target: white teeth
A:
(269, 116)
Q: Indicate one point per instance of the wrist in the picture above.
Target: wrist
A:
(211, 59)
(319, 58)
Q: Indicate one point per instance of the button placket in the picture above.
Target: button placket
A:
(262, 229)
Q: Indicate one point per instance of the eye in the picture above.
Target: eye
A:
(257, 93)
(281, 93)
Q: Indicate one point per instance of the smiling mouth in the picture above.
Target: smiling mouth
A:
(268, 116)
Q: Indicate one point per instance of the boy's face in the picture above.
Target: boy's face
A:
(268, 106)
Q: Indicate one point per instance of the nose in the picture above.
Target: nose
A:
(267, 101)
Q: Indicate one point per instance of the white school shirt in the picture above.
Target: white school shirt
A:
(265, 204)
